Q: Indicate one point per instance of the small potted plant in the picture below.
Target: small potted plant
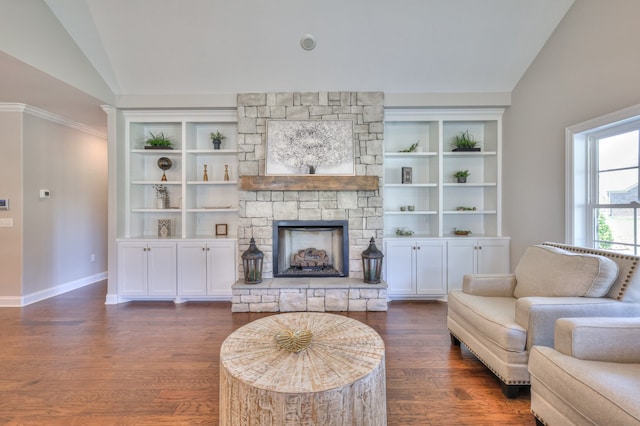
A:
(162, 196)
(465, 142)
(461, 175)
(457, 231)
(158, 141)
(413, 148)
(216, 138)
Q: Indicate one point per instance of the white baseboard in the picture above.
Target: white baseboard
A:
(112, 299)
(20, 301)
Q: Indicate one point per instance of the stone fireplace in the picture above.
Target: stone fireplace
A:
(311, 198)
(310, 248)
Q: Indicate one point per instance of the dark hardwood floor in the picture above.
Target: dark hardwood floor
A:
(72, 360)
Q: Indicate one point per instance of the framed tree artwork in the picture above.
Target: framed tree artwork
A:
(307, 147)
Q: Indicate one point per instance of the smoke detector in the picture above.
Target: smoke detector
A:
(308, 42)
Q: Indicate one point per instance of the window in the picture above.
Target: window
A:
(603, 159)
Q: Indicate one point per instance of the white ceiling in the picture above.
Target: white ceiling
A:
(195, 47)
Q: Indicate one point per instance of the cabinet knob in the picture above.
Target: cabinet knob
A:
(418, 247)
(208, 249)
(203, 249)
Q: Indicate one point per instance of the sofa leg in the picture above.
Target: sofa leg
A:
(510, 391)
(454, 340)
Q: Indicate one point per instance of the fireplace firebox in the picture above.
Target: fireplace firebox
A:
(310, 248)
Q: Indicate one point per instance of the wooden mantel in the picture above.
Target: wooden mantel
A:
(309, 183)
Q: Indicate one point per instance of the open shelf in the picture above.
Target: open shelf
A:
(190, 196)
(432, 187)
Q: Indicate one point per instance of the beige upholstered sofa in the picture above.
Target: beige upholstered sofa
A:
(592, 377)
(501, 317)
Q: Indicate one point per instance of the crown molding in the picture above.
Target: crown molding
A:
(49, 116)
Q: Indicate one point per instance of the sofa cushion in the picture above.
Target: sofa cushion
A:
(605, 393)
(599, 339)
(493, 317)
(552, 272)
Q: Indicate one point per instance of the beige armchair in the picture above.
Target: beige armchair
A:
(501, 317)
(591, 377)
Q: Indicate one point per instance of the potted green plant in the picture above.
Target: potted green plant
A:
(461, 175)
(158, 141)
(465, 142)
(412, 148)
(216, 138)
(457, 231)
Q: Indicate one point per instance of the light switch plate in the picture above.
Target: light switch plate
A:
(6, 222)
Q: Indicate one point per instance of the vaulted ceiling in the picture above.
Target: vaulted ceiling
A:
(195, 47)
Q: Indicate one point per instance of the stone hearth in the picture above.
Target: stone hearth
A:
(309, 294)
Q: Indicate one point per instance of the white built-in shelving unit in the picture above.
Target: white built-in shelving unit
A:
(440, 204)
(196, 206)
(192, 262)
(434, 192)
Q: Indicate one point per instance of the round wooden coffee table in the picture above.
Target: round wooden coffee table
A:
(339, 379)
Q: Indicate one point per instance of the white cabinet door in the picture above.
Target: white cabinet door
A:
(399, 267)
(132, 269)
(161, 269)
(192, 268)
(461, 260)
(493, 257)
(221, 267)
(430, 261)
(475, 256)
(206, 268)
(146, 268)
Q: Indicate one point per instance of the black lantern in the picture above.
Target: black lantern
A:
(372, 263)
(252, 263)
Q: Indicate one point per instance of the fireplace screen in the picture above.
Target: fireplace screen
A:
(310, 248)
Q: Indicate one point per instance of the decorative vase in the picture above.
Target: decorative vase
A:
(216, 143)
(462, 179)
(160, 202)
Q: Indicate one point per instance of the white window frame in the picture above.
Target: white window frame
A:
(578, 184)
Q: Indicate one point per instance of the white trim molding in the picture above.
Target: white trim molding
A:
(54, 118)
(21, 301)
(576, 160)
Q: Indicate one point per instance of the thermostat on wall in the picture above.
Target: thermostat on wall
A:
(4, 204)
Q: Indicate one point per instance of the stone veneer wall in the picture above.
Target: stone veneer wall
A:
(363, 209)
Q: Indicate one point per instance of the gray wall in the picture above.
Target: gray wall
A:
(30, 32)
(590, 66)
(63, 231)
(52, 240)
(11, 188)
